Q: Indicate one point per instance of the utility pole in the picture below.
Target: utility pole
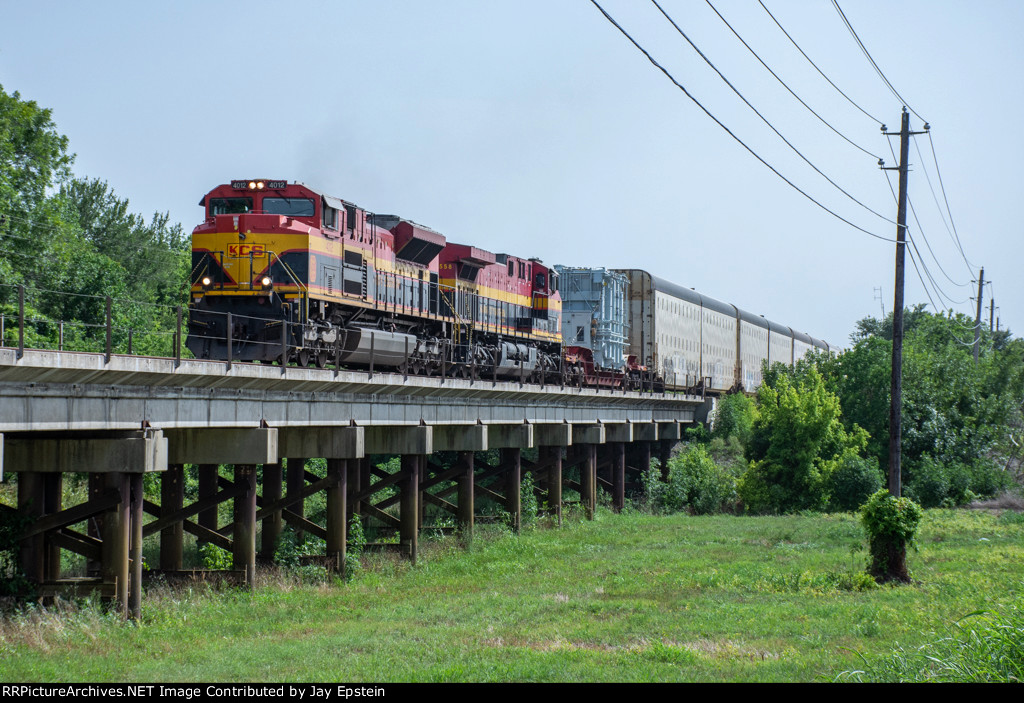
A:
(896, 385)
(977, 318)
(991, 314)
(878, 297)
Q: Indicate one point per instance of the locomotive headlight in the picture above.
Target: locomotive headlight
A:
(267, 283)
(252, 185)
(259, 185)
(207, 282)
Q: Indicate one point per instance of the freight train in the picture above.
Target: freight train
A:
(284, 273)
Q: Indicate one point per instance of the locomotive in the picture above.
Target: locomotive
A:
(282, 272)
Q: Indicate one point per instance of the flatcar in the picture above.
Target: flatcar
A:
(282, 272)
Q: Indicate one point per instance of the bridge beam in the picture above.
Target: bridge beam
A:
(222, 445)
(100, 452)
(517, 436)
(460, 438)
(399, 439)
(322, 442)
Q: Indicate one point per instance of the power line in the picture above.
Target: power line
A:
(920, 229)
(783, 83)
(938, 290)
(934, 306)
(765, 120)
(793, 41)
(950, 212)
(872, 61)
(727, 130)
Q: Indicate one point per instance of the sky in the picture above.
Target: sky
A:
(535, 128)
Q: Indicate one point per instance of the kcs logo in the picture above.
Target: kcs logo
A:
(246, 250)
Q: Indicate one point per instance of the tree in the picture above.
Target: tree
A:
(957, 416)
(797, 443)
(33, 159)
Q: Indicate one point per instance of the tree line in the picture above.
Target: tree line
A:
(72, 241)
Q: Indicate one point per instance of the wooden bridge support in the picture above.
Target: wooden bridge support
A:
(172, 538)
(409, 512)
(116, 505)
(243, 538)
(273, 523)
(120, 459)
(464, 481)
(337, 527)
(295, 477)
(512, 469)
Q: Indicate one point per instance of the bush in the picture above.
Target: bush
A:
(797, 441)
(734, 417)
(695, 482)
(354, 548)
(891, 524)
(853, 482)
(935, 483)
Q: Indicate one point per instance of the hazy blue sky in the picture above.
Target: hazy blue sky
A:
(536, 128)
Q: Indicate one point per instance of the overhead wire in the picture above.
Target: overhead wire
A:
(872, 61)
(913, 244)
(784, 85)
(809, 60)
(943, 188)
(920, 229)
(727, 130)
(766, 121)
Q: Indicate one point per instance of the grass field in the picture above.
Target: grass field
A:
(623, 598)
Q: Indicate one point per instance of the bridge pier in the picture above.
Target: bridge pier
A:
(511, 440)
(669, 434)
(337, 445)
(552, 439)
(273, 523)
(464, 440)
(295, 477)
(585, 440)
(413, 444)
(120, 458)
(243, 536)
(242, 448)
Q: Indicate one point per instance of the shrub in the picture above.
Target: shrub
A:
(852, 483)
(354, 547)
(695, 481)
(734, 417)
(796, 443)
(215, 557)
(891, 524)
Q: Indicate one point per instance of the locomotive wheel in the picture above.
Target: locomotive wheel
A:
(304, 357)
(321, 359)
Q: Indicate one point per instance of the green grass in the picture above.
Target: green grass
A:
(624, 598)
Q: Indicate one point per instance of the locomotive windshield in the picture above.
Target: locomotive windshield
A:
(292, 207)
(229, 206)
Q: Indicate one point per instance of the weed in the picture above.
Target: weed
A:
(982, 647)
